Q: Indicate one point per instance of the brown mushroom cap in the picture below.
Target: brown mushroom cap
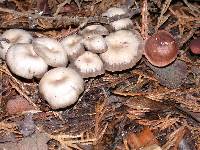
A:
(195, 46)
(124, 50)
(161, 49)
(17, 105)
(89, 65)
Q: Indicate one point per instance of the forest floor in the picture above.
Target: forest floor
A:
(127, 110)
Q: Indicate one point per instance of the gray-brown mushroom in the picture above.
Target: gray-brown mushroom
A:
(124, 50)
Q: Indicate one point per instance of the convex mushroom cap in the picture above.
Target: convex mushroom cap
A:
(24, 62)
(124, 50)
(93, 38)
(89, 65)
(114, 11)
(195, 46)
(51, 51)
(161, 49)
(94, 29)
(124, 23)
(61, 87)
(73, 46)
(95, 43)
(11, 37)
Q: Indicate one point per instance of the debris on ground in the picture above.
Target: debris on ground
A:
(139, 107)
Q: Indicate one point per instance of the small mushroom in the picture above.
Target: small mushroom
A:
(89, 65)
(124, 50)
(61, 87)
(161, 49)
(11, 37)
(94, 29)
(114, 11)
(17, 105)
(72, 44)
(195, 46)
(24, 62)
(51, 51)
(95, 43)
(124, 23)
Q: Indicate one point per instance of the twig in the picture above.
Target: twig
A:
(162, 18)
(24, 95)
(144, 29)
(174, 138)
(27, 20)
(186, 37)
(183, 22)
(192, 8)
(31, 21)
(12, 80)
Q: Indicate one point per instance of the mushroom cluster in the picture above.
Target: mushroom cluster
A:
(89, 53)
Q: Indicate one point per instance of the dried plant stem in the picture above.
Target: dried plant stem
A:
(187, 36)
(183, 22)
(23, 94)
(174, 138)
(27, 20)
(144, 30)
(12, 80)
(192, 8)
(162, 18)
(6, 71)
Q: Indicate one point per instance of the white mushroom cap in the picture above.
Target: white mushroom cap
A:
(13, 36)
(94, 29)
(61, 87)
(124, 23)
(124, 50)
(89, 65)
(24, 62)
(95, 43)
(51, 51)
(114, 11)
(73, 46)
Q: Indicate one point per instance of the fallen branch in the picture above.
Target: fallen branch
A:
(144, 31)
(24, 20)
